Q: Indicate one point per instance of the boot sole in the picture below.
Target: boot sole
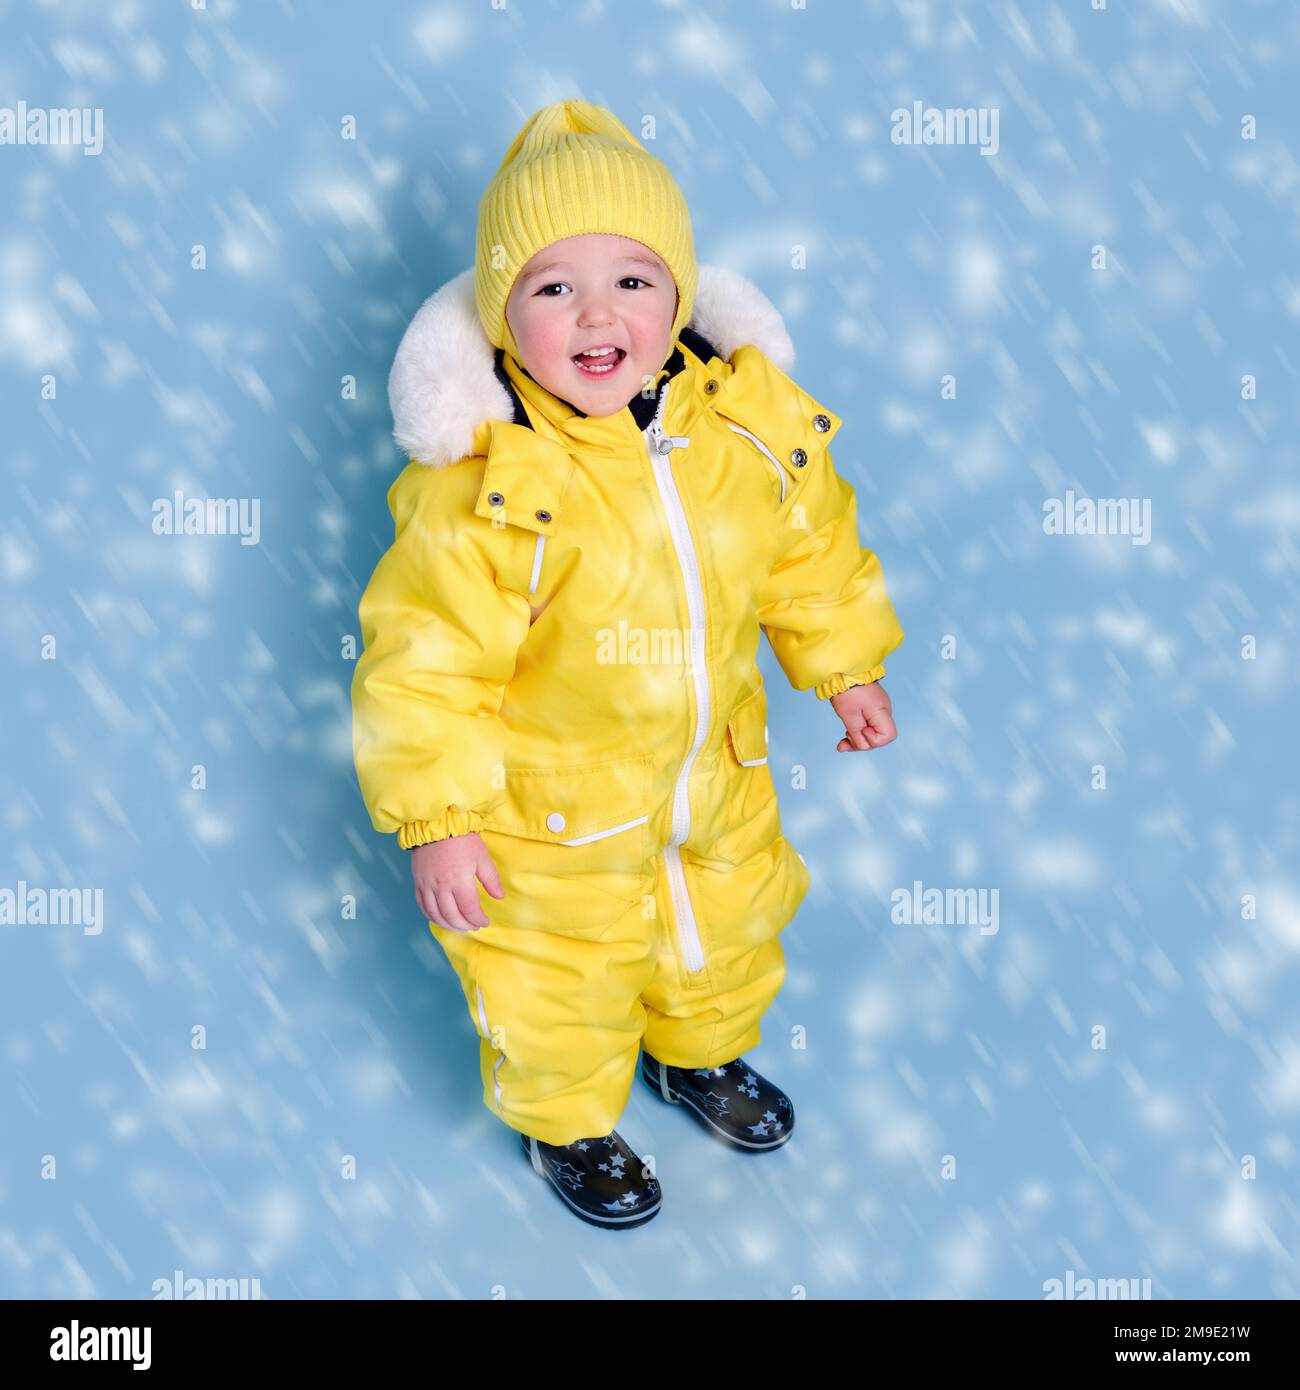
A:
(605, 1223)
(744, 1145)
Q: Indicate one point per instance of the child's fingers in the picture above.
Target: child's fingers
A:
(855, 734)
(426, 904)
(488, 876)
(874, 731)
(467, 901)
(449, 911)
(435, 911)
(881, 729)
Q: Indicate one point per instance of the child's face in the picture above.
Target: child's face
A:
(591, 291)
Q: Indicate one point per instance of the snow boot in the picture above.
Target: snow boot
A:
(733, 1102)
(600, 1180)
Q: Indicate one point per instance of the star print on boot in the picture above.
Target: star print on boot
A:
(733, 1102)
(600, 1180)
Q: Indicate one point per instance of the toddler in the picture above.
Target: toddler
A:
(613, 487)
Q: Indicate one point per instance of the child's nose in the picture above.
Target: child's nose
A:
(596, 310)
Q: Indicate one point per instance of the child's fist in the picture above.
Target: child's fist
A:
(868, 717)
(445, 873)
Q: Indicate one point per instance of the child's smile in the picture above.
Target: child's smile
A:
(599, 361)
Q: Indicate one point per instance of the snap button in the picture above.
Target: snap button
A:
(798, 458)
(555, 821)
(710, 387)
(821, 423)
(496, 499)
(542, 515)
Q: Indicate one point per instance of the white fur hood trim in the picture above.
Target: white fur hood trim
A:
(442, 385)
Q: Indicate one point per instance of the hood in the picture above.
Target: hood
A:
(443, 383)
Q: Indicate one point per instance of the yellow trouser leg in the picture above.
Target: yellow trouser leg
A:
(705, 1028)
(559, 1020)
(706, 1019)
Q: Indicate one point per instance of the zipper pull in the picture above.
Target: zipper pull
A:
(666, 443)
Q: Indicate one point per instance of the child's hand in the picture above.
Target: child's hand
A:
(868, 717)
(445, 873)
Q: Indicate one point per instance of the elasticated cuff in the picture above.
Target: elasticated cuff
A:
(446, 824)
(840, 682)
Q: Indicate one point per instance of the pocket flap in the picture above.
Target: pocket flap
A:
(575, 804)
(524, 480)
(748, 729)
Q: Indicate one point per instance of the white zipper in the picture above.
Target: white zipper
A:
(780, 472)
(660, 446)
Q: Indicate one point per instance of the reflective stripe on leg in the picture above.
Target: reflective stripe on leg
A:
(487, 1033)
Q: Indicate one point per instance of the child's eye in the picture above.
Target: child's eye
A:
(554, 285)
(637, 278)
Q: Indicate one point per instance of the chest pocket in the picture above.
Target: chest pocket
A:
(768, 455)
(788, 429)
(790, 441)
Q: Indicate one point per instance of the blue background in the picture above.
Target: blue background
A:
(328, 1037)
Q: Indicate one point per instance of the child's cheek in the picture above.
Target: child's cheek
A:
(549, 345)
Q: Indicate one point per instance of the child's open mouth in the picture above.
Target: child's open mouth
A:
(599, 363)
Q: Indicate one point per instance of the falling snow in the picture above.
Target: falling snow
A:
(237, 1078)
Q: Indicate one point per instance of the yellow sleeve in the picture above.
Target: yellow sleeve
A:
(440, 644)
(825, 607)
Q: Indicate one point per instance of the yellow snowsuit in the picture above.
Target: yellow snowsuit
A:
(560, 653)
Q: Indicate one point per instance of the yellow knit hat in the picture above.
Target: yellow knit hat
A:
(574, 168)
